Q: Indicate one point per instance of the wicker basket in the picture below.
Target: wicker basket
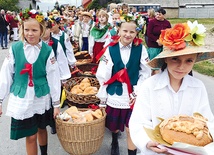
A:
(81, 99)
(83, 61)
(84, 55)
(81, 139)
(90, 67)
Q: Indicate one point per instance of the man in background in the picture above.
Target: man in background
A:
(3, 30)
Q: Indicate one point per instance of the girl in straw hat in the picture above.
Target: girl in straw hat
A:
(172, 91)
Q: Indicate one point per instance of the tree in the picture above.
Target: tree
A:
(30, 7)
(96, 4)
(9, 5)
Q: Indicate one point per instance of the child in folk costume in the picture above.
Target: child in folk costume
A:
(76, 31)
(30, 74)
(86, 27)
(115, 20)
(121, 69)
(98, 35)
(177, 92)
(64, 40)
(58, 51)
(113, 32)
(60, 57)
(112, 8)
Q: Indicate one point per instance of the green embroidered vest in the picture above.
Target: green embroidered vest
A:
(55, 45)
(62, 42)
(20, 82)
(133, 67)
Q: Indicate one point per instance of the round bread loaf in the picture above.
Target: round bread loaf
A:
(186, 129)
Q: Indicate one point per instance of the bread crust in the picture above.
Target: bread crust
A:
(185, 129)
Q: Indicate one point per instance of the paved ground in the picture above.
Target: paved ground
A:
(9, 147)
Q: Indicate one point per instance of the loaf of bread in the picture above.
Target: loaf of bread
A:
(186, 129)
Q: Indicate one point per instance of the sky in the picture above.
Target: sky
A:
(45, 5)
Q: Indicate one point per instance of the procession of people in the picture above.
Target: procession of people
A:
(140, 61)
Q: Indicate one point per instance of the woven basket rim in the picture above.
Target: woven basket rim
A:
(86, 123)
(77, 98)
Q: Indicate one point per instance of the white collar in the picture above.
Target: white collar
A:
(26, 45)
(163, 81)
(125, 47)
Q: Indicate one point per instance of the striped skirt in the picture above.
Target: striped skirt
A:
(117, 119)
(29, 126)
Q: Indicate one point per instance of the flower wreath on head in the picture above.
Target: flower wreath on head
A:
(182, 35)
(25, 14)
(139, 20)
(55, 18)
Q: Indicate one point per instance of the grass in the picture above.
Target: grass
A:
(207, 22)
(204, 67)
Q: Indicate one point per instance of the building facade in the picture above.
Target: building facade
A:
(182, 8)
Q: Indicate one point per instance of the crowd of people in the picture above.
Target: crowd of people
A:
(40, 63)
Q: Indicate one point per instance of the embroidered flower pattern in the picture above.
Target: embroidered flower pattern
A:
(182, 34)
(25, 14)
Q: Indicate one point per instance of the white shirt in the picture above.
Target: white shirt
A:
(62, 62)
(156, 98)
(104, 73)
(86, 28)
(69, 49)
(22, 108)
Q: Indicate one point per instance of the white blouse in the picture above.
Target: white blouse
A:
(156, 98)
(104, 73)
(69, 49)
(22, 108)
(62, 62)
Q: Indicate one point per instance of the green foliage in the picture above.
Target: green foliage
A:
(205, 67)
(9, 5)
(94, 4)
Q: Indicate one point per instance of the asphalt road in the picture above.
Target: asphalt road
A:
(11, 147)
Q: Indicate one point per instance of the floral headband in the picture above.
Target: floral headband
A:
(55, 18)
(139, 20)
(26, 14)
(183, 34)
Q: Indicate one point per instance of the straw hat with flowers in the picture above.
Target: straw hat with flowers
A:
(183, 39)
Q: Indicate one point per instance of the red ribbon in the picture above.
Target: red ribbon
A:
(50, 43)
(94, 70)
(93, 106)
(137, 41)
(123, 77)
(28, 70)
(114, 42)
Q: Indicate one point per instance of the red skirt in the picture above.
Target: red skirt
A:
(98, 46)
